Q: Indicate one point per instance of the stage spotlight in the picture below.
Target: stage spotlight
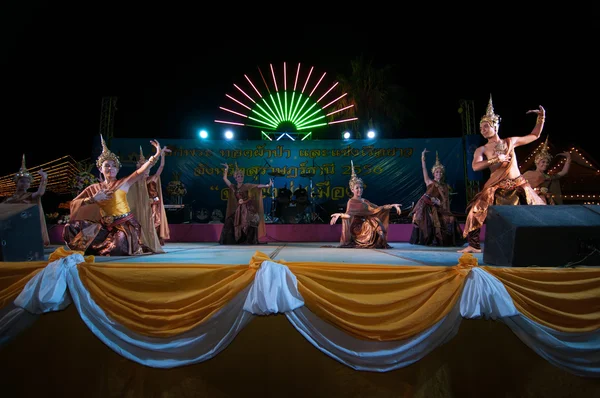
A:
(203, 134)
(346, 135)
(371, 134)
(229, 134)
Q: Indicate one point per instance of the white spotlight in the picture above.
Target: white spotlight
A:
(346, 135)
(203, 134)
(371, 134)
(229, 134)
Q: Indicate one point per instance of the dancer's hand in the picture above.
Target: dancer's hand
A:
(565, 154)
(502, 157)
(541, 111)
(334, 218)
(103, 195)
(156, 145)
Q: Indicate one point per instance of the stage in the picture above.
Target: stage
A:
(296, 319)
(276, 233)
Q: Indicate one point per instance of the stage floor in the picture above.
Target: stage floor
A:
(401, 253)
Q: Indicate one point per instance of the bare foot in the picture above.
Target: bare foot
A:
(470, 249)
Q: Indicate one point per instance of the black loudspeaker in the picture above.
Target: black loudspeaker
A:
(178, 214)
(20, 233)
(544, 236)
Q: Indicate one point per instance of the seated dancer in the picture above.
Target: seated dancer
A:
(245, 216)
(364, 224)
(101, 222)
(546, 185)
(433, 222)
(21, 196)
(152, 214)
(506, 185)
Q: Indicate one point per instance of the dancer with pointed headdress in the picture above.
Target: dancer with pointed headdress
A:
(21, 196)
(364, 224)
(506, 185)
(101, 221)
(546, 184)
(147, 204)
(245, 217)
(433, 222)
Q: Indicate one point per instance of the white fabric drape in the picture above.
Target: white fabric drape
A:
(275, 290)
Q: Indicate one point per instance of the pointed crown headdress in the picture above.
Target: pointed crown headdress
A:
(106, 155)
(23, 173)
(490, 116)
(354, 180)
(238, 171)
(438, 164)
(544, 152)
(141, 159)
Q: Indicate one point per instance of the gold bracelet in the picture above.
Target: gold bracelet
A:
(540, 119)
(152, 160)
(493, 161)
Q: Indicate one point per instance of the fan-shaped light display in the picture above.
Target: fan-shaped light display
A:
(281, 106)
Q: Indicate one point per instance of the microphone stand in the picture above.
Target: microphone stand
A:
(314, 216)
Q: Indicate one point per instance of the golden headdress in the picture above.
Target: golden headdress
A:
(544, 152)
(438, 164)
(491, 117)
(23, 173)
(141, 159)
(354, 180)
(106, 155)
(238, 170)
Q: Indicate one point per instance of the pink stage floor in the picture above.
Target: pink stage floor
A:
(275, 233)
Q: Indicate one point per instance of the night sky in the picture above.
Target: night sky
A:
(171, 68)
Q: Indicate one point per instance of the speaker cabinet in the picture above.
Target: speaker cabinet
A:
(20, 233)
(545, 236)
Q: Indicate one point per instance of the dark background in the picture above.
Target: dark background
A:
(170, 66)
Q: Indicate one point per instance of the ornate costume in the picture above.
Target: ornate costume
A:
(150, 188)
(433, 222)
(367, 225)
(106, 228)
(545, 185)
(245, 217)
(27, 198)
(499, 188)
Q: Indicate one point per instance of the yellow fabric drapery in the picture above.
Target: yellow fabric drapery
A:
(62, 252)
(378, 302)
(371, 302)
(564, 299)
(14, 276)
(163, 300)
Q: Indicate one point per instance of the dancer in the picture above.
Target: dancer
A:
(506, 185)
(546, 185)
(245, 216)
(22, 196)
(101, 222)
(433, 222)
(152, 215)
(364, 224)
